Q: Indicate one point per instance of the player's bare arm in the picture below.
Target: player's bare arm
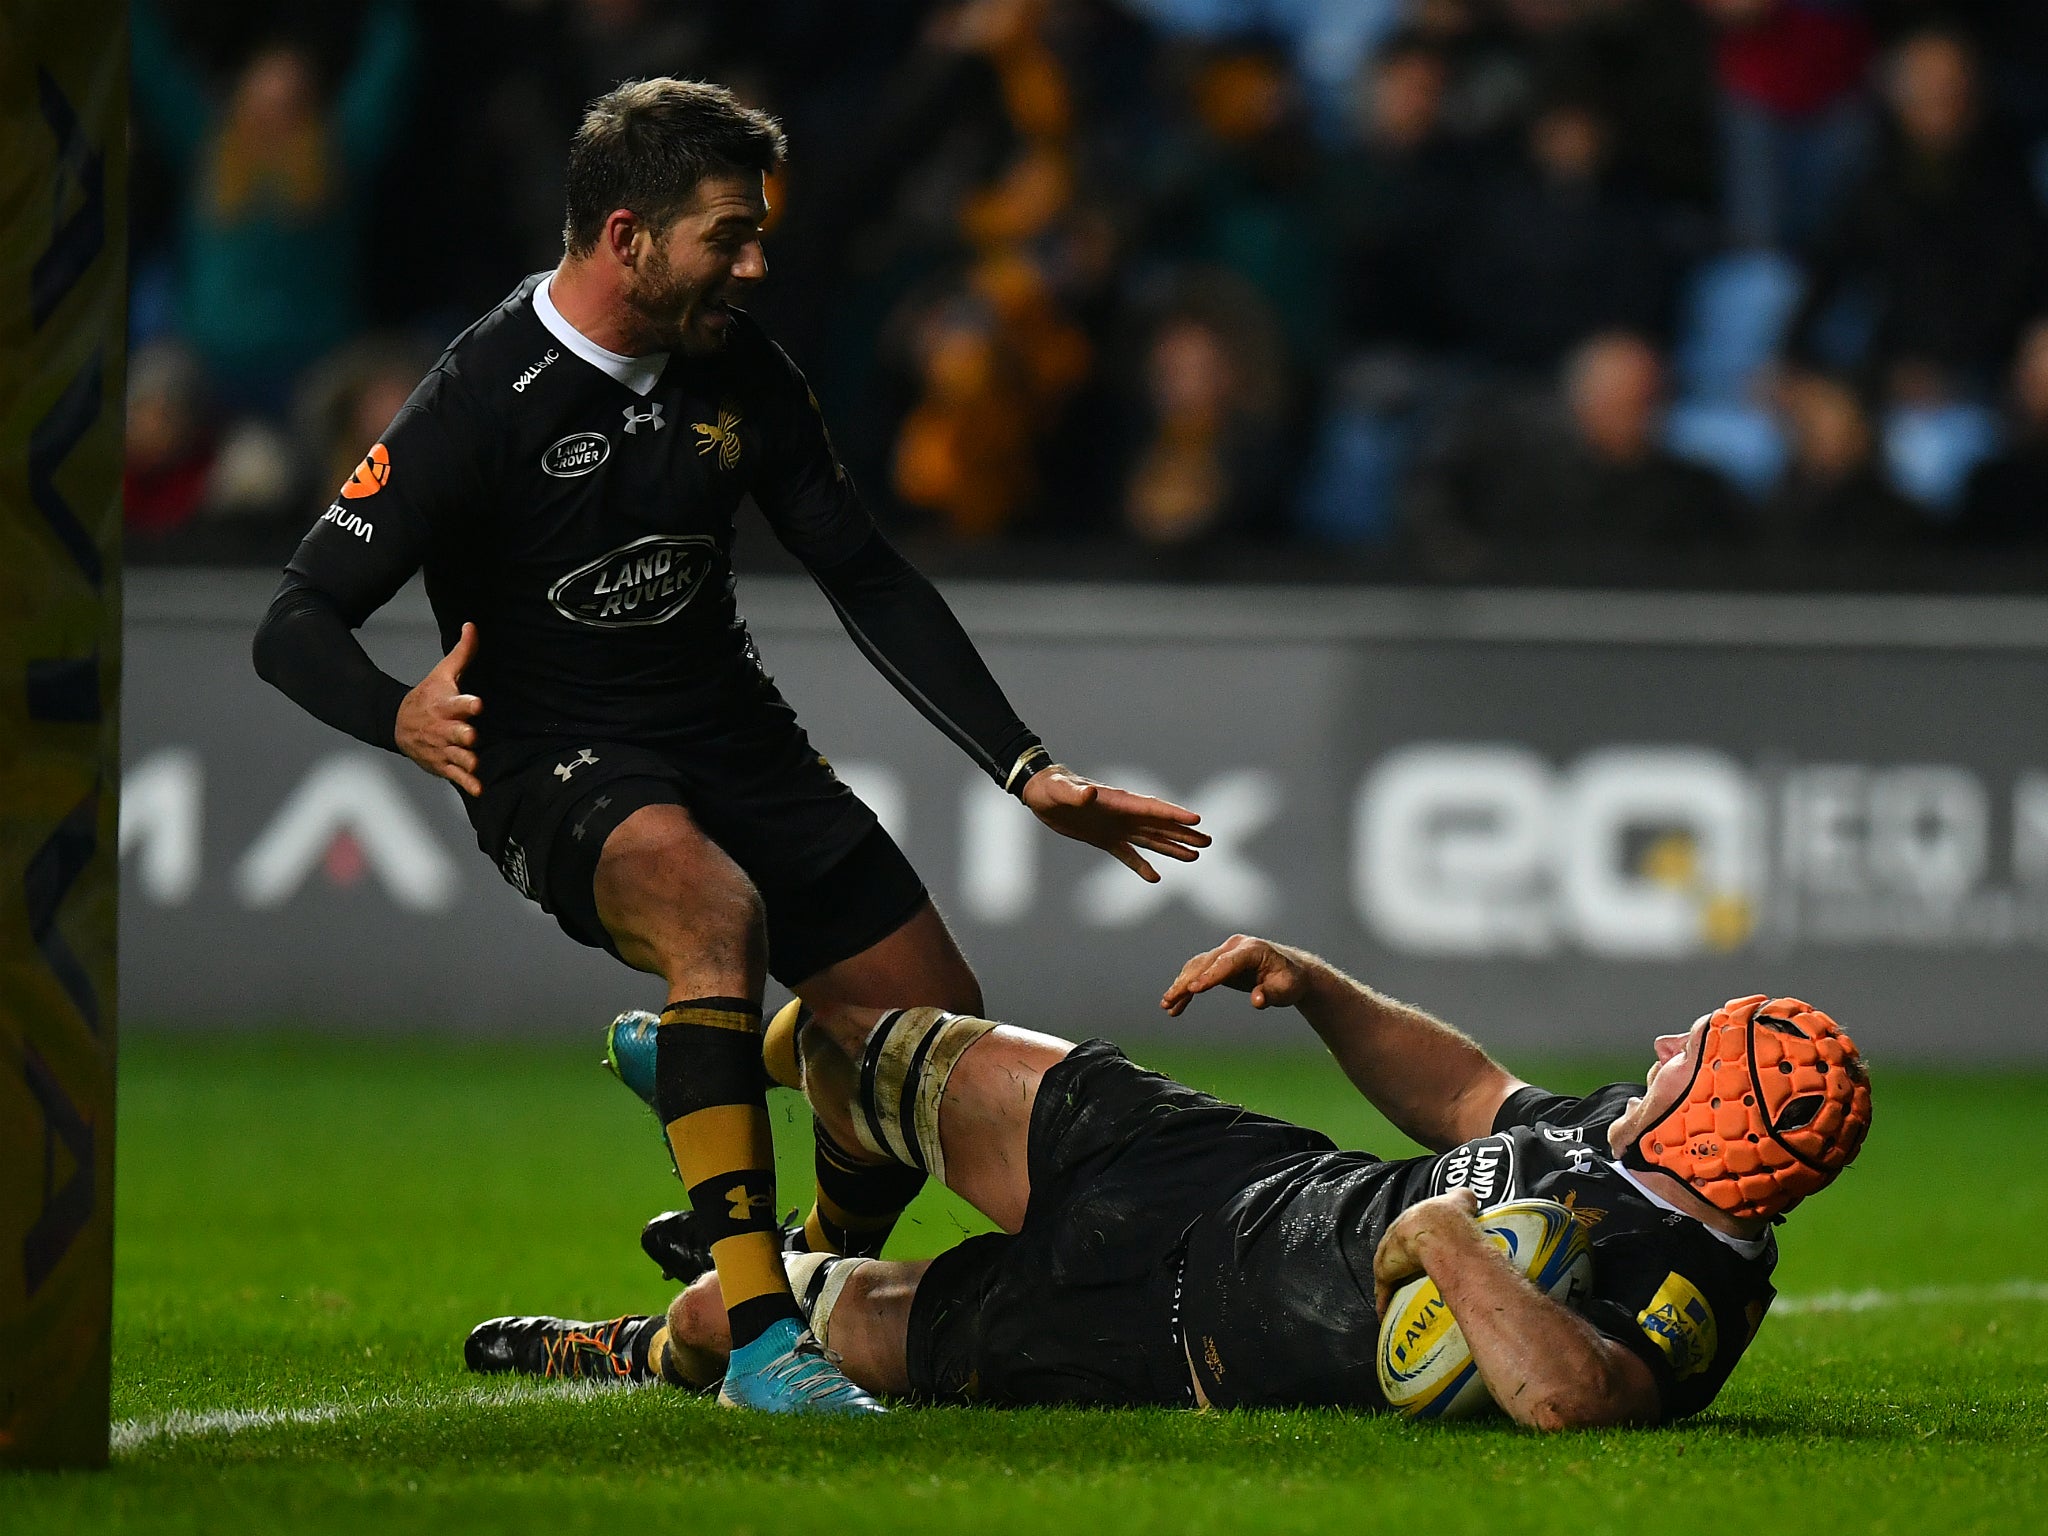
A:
(1432, 1081)
(435, 720)
(1541, 1362)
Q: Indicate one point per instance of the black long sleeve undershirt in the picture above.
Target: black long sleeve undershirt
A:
(904, 627)
(307, 649)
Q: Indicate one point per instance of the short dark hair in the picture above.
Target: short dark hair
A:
(646, 144)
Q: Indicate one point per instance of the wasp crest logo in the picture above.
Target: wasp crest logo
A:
(1587, 1216)
(721, 435)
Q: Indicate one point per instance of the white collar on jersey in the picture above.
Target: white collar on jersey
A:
(1748, 1247)
(637, 373)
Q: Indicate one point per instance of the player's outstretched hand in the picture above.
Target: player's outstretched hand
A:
(1275, 975)
(1397, 1261)
(1114, 820)
(434, 728)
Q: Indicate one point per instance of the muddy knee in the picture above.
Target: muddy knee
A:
(697, 1316)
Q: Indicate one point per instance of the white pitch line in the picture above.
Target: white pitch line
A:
(1917, 1296)
(131, 1434)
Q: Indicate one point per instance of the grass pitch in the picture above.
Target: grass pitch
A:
(307, 1228)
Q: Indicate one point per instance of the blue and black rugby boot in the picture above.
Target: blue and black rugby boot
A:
(629, 1048)
(787, 1371)
(629, 1056)
(559, 1348)
(629, 1045)
(629, 1051)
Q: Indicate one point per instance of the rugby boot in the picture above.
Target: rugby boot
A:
(786, 1370)
(675, 1241)
(629, 1047)
(560, 1348)
(629, 1056)
(629, 1051)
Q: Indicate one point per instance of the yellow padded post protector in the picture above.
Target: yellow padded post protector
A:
(63, 312)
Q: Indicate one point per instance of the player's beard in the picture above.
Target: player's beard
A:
(666, 304)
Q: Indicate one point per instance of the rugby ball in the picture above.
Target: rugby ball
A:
(1425, 1369)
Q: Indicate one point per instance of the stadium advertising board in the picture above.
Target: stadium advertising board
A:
(1556, 820)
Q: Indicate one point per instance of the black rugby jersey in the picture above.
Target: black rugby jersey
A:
(1277, 1303)
(586, 528)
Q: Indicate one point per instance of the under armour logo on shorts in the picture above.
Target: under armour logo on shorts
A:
(649, 418)
(583, 756)
(595, 806)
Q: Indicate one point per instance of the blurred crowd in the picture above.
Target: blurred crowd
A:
(1634, 291)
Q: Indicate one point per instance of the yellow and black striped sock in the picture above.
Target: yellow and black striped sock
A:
(858, 1203)
(707, 1090)
(781, 1053)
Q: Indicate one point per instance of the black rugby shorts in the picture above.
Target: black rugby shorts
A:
(1081, 1305)
(832, 879)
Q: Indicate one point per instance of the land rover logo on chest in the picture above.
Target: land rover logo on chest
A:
(648, 581)
(577, 454)
(1485, 1165)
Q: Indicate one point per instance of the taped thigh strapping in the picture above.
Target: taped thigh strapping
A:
(817, 1281)
(903, 1075)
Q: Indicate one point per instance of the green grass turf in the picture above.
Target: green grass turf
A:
(308, 1227)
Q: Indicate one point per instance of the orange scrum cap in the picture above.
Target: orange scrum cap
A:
(1778, 1104)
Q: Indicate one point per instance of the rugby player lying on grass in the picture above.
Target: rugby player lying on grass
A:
(1161, 1247)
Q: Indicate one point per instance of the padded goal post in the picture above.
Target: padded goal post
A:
(63, 316)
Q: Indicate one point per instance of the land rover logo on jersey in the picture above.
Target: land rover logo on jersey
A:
(1486, 1166)
(577, 454)
(648, 581)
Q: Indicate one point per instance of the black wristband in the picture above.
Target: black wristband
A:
(1028, 763)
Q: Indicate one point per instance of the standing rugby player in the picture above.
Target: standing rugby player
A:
(567, 476)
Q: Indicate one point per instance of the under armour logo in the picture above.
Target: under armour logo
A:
(595, 806)
(583, 756)
(649, 418)
(743, 1204)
